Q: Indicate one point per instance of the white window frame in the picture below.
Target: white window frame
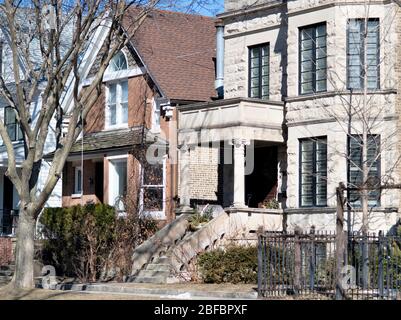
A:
(78, 193)
(158, 215)
(119, 123)
(112, 171)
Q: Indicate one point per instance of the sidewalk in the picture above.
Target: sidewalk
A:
(174, 291)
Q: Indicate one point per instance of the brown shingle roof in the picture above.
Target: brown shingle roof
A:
(113, 139)
(178, 49)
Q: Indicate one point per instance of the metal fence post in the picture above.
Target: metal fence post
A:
(312, 260)
(297, 262)
(380, 274)
(339, 240)
(260, 264)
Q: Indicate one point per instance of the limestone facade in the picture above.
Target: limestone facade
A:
(277, 23)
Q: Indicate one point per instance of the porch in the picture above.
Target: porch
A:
(103, 168)
(248, 156)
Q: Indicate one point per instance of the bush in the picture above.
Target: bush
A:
(84, 241)
(234, 265)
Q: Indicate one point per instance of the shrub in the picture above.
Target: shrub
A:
(198, 218)
(235, 264)
(83, 241)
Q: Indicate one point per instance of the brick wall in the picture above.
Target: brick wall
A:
(204, 173)
(6, 251)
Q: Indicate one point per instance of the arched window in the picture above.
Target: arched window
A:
(119, 62)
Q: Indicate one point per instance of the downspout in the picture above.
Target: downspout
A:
(219, 82)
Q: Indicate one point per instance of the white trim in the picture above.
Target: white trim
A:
(117, 157)
(112, 181)
(89, 58)
(118, 103)
(117, 75)
(77, 193)
(158, 215)
(156, 116)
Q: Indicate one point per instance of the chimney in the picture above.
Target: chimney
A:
(219, 83)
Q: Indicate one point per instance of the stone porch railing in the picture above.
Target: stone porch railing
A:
(170, 255)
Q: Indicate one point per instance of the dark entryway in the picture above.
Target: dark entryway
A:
(99, 175)
(7, 206)
(261, 184)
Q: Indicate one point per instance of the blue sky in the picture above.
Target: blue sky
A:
(203, 7)
(213, 10)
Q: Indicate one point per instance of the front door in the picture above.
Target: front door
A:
(118, 183)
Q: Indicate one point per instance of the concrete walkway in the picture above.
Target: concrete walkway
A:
(174, 291)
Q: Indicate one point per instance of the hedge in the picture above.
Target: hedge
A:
(235, 264)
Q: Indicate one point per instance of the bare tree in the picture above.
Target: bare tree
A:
(49, 44)
(48, 40)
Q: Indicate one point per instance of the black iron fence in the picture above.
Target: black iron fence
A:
(305, 265)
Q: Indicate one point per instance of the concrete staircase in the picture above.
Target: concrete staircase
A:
(6, 274)
(157, 272)
(168, 256)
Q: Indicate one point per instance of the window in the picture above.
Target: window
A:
(355, 179)
(78, 181)
(117, 104)
(259, 57)
(313, 59)
(313, 172)
(355, 53)
(118, 63)
(153, 188)
(13, 128)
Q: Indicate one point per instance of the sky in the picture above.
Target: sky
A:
(203, 7)
(213, 10)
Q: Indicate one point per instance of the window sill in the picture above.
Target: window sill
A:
(325, 94)
(76, 196)
(13, 142)
(157, 215)
(116, 127)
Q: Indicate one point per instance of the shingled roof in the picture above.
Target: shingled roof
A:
(113, 139)
(178, 50)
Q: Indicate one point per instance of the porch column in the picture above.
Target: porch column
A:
(239, 172)
(184, 179)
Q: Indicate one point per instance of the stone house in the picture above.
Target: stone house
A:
(168, 62)
(278, 141)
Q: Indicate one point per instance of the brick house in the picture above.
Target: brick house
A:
(288, 66)
(168, 62)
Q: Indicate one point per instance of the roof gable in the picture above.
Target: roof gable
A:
(178, 49)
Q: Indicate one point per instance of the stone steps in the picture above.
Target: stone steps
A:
(4, 280)
(164, 264)
(6, 272)
(152, 273)
(158, 267)
(155, 280)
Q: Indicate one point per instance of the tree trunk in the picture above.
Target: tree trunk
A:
(23, 277)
